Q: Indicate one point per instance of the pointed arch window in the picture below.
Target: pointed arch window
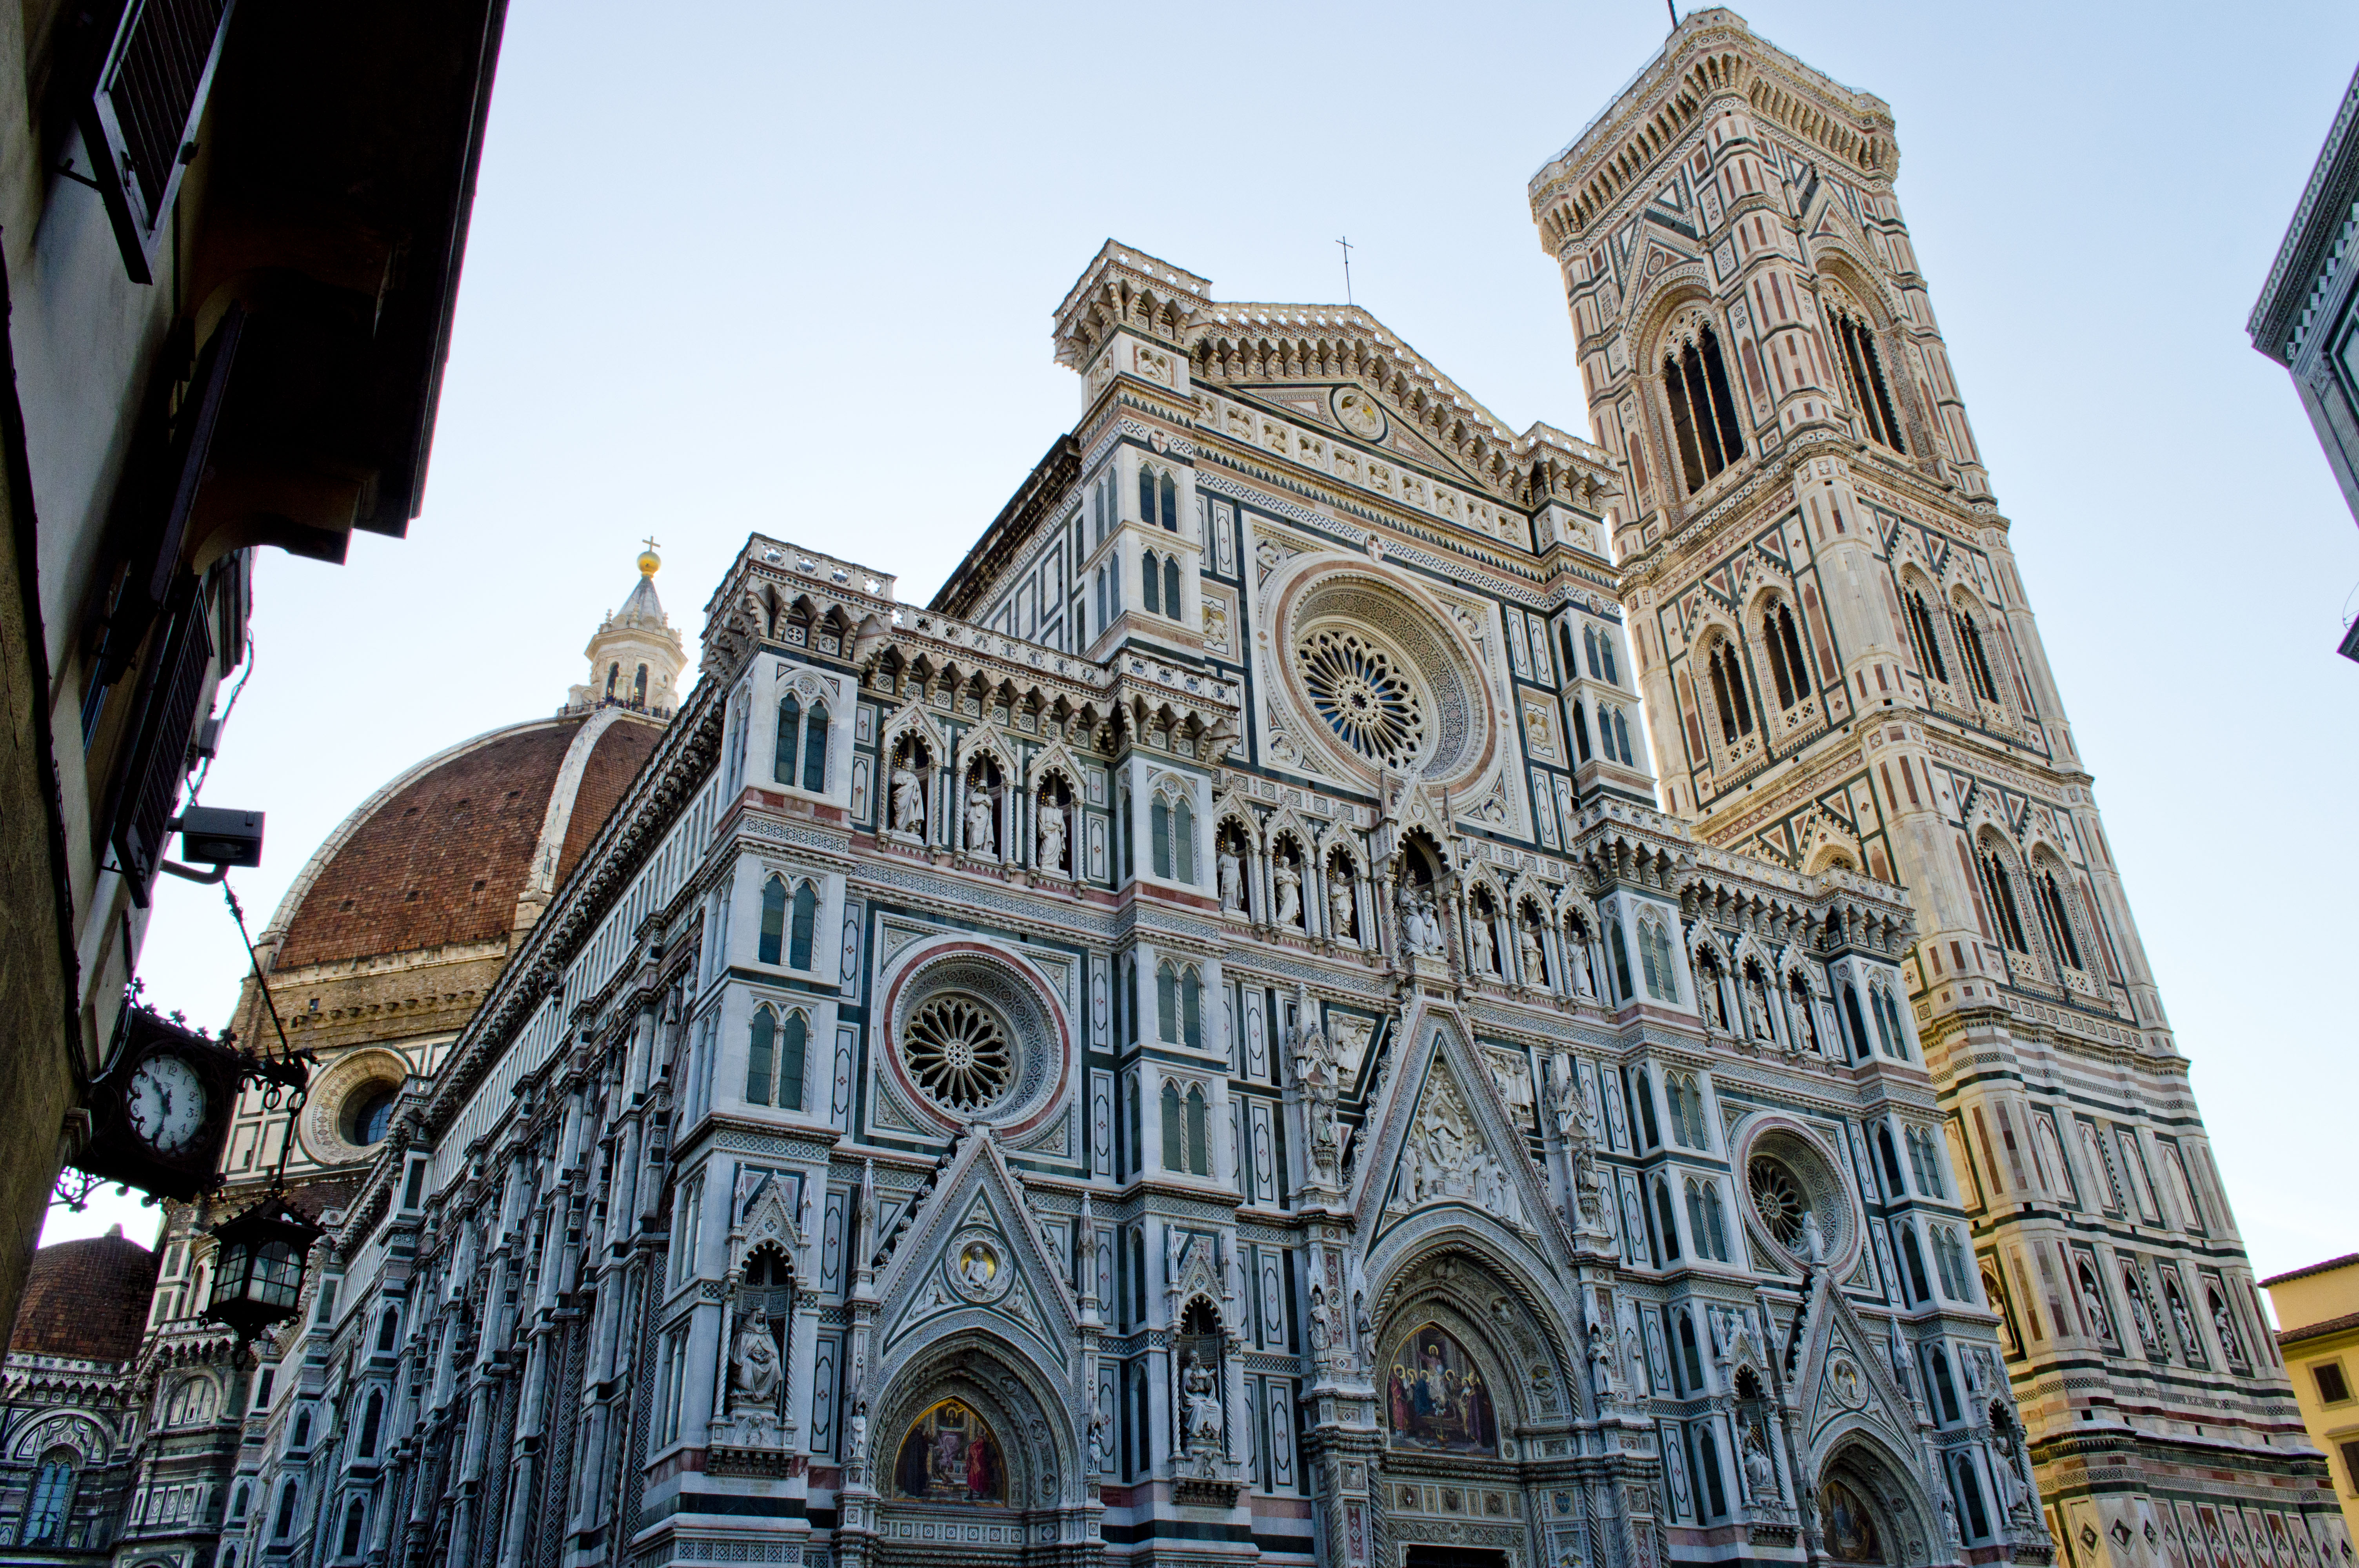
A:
(1920, 633)
(775, 1053)
(356, 1521)
(1168, 497)
(1707, 1460)
(1158, 833)
(1146, 494)
(1785, 645)
(1998, 887)
(791, 734)
(1727, 671)
(1199, 1153)
(1605, 657)
(1852, 1015)
(801, 930)
(372, 1419)
(1664, 1219)
(1589, 641)
(2056, 917)
(1974, 655)
(1924, 1163)
(1171, 586)
(614, 674)
(292, 1493)
(815, 748)
(774, 920)
(1884, 1147)
(1703, 415)
(761, 1055)
(53, 1498)
(1150, 582)
(1622, 739)
(1613, 945)
(1167, 1000)
(1864, 379)
(390, 1323)
(1646, 1098)
(1581, 731)
(1887, 1023)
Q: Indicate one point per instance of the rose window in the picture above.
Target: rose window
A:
(1371, 707)
(1780, 1201)
(959, 1052)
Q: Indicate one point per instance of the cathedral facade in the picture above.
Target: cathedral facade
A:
(1359, 988)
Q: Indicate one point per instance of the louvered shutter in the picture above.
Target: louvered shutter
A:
(143, 111)
(170, 688)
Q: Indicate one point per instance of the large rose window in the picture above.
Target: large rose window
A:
(1355, 685)
(959, 1052)
(1381, 682)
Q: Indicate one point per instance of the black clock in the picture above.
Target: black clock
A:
(161, 1111)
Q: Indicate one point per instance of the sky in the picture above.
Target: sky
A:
(790, 268)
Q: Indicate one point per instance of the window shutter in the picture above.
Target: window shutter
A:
(170, 689)
(142, 112)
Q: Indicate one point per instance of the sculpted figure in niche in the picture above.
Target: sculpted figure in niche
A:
(1052, 834)
(2094, 1307)
(909, 797)
(1757, 1005)
(1289, 889)
(1484, 945)
(1203, 1437)
(1233, 879)
(753, 1371)
(1338, 901)
(1527, 940)
(1760, 1470)
(982, 829)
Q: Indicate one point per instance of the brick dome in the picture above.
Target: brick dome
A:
(87, 1300)
(466, 846)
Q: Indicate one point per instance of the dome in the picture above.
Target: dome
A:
(86, 1299)
(467, 846)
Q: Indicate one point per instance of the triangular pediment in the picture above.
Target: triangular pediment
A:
(1398, 435)
(972, 1257)
(1844, 1372)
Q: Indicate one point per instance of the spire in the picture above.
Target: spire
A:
(635, 655)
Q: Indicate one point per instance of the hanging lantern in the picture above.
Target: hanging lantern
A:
(258, 1269)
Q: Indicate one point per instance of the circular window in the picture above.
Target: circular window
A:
(1793, 1185)
(976, 1036)
(368, 1115)
(1778, 1199)
(959, 1052)
(1380, 680)
(1355, 687)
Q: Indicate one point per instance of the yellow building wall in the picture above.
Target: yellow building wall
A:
(2318, 1314)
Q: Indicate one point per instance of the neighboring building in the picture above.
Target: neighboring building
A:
(1834, 643)
(232, 238)
(2319, 1309)
(2303, 319)
(69, 1409)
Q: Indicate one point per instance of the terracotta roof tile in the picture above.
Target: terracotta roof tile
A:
(86, 1299)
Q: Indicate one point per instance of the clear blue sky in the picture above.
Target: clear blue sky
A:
(790, 268)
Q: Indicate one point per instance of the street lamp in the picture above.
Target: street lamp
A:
(258, 1273)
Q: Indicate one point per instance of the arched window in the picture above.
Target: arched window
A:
(356, 1521)
(1654, 958)
(815, 748)
(1703, 415)
(1175, 1144)
(1183, 842)
(793, 1038)
(1168, 495)
(1621, 740)
(774, 921)
(1589, 641)
(1920, 633)
(1924, 1163)
(1707, 1463)
(639, 688)
(790, 733)
(1858, 1023)
(1171, 584)
(372, 1418)
(613, 674)
(1646, 1097)
(284, 1523)
(761, 1055)
(1891, 1161)
(1200, 1155)
(799, 934)
(1150, 582)
(1914, 1256)
(1888, 1022)
(1706, 1220)
(1158, 833)
(1581, 731)
(1881, 1005)
(1785, 645)
(1972, 654)
(1999, 888)
(52, 1502)
(1613, 944)
(1167, 1000)
(1671, 1228)
(1146, 494)
(2057, 916)
(1192, 1008)
(1727, 671)
(1605, 654)
(1864, 379)
(386, 1327)
(1690, 1354)
(237, 1503)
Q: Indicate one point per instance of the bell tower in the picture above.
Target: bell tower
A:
(1842, 673)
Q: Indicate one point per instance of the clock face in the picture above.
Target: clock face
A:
(164, 1102)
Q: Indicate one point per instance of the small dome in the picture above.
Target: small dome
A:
(649, 563)
(87, 1300)
(446, 852)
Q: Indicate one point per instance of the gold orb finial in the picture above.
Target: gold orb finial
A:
(649, 562)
